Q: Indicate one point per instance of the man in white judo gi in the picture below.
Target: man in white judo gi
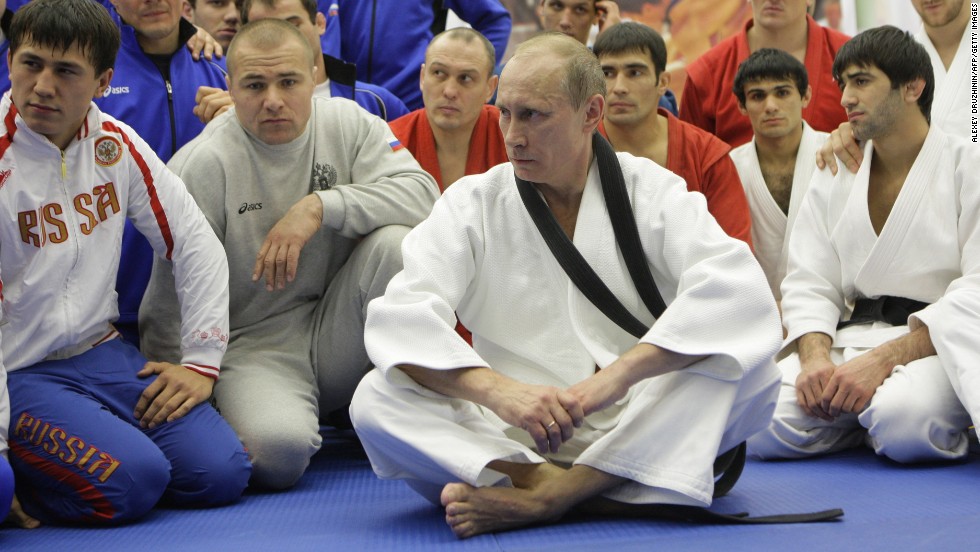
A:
(882, 299)
(555, 406)
(948, 32)
(775, 167)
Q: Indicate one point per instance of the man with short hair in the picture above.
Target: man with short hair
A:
(947, 36)
(456, 133)
(775, 167)
(782, 24)
(334, 77)
(634, 60)
(220, 18)
(311, 198)
(555, 405)
(386, 39)
(98, 435)
(882, 298)
(575, 18)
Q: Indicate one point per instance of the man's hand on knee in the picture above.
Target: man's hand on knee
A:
(810, 385)
(854, 383)
(278, 258)
(548, 414)
(842, 145)
(174, 392)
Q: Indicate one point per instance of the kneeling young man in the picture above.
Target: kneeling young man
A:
(555, 405)
(97, 433)
(882, 298)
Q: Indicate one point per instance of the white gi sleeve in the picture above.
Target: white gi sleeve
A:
(813, 296)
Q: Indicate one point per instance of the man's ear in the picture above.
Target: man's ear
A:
(187, 10)
(228, 86)
(421, 75)
(492, 86)
(320, 23)
(913, 90)
(594, 109)
(663, 82)
(807, 96)
(104, 79)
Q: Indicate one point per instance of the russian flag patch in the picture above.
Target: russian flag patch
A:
(395, 145)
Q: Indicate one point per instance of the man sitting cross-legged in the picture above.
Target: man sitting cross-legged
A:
(555, 405)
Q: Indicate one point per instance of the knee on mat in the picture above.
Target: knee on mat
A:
(130, 491)
(218, 476)
(279, 458)
(904, 430)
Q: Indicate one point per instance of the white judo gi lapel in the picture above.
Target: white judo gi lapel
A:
(881, 269)
(608, 215)
(950, 110)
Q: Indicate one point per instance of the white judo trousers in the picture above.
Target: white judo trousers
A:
(929, 251)
(480, 255)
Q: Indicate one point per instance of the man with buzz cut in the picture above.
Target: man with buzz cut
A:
(334, 77)
(311, 198)
(775, 167)
(98, 435)
(881, 303)
(555, 406)
(456, 133)
(634, 61)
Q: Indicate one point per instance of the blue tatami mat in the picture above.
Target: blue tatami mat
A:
(340, 505)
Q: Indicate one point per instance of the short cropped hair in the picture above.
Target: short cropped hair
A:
(245, 6)
(582, 75)
(633, 37)
(899, 56)
(769, 64)
(267, 35)
(61, 24)
(467, 35)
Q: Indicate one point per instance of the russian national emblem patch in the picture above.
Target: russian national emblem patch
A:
(108, 151)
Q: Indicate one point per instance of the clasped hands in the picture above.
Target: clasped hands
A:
(825, 390)
(549, 414)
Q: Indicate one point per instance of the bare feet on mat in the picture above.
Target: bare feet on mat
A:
(473, 511)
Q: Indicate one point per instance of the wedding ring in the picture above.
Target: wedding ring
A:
(553, 422)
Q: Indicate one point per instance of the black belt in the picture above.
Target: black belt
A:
(893, 310)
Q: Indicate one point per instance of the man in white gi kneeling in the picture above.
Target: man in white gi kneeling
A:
(556, 406)
(882, 295)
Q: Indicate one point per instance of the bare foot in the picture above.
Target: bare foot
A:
(473, 511)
